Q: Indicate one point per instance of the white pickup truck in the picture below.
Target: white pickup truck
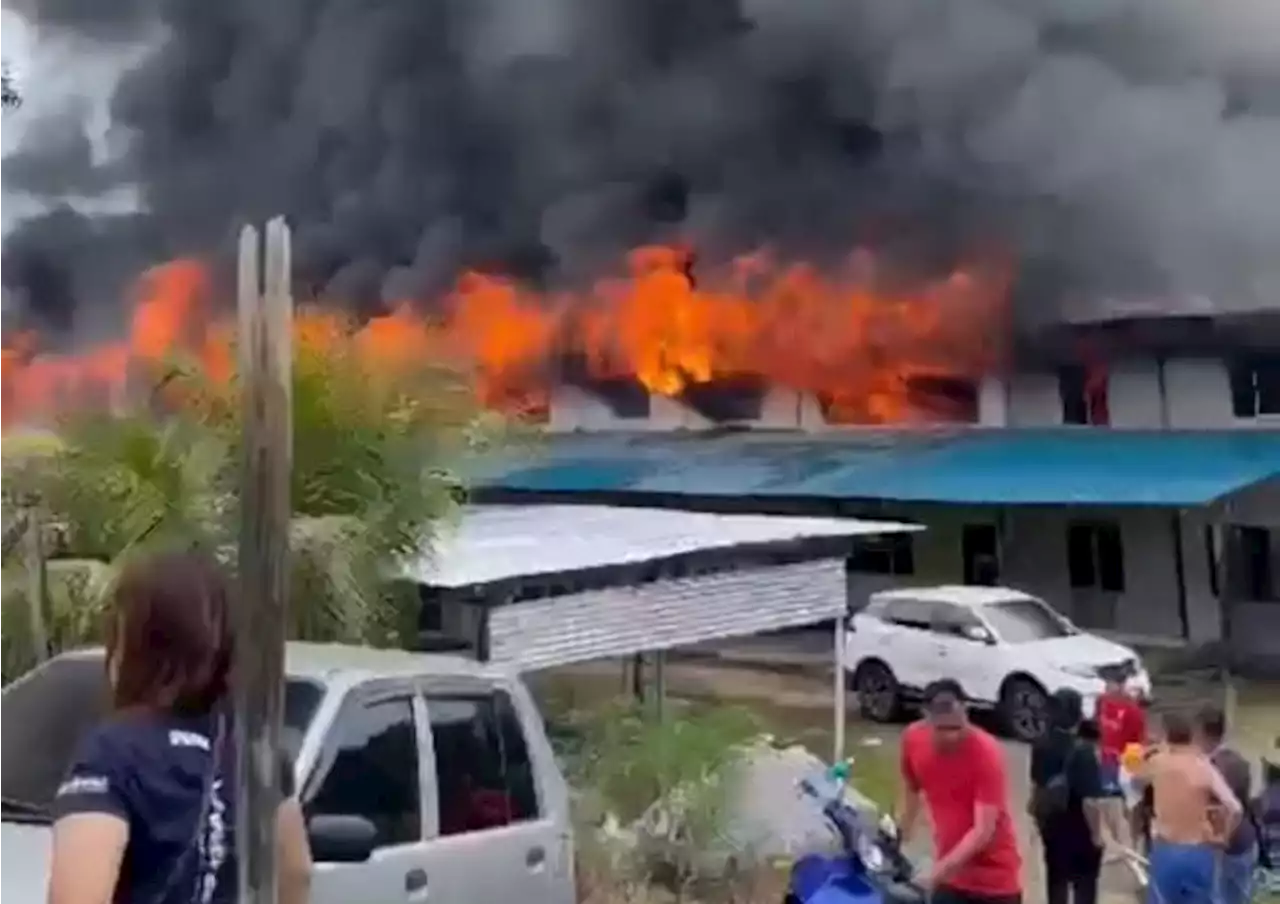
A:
(384, 743)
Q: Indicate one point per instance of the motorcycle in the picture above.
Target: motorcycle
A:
(870, 867)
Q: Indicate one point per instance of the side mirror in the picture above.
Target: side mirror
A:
(341, 839)
(980, 635)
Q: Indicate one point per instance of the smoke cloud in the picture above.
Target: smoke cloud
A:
(1119, 148)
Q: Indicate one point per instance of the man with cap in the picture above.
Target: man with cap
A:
(958, 771)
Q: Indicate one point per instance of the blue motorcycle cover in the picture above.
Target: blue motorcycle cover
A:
(818, 879)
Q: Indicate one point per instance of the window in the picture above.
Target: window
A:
(1095, 556)
(373, 771)
(885, 554)
(301, 698)
(954, 621)
(1257, 563)
(51, 711)
(1255, 571)
(431, 609)
(951, 400)
(980, 549)
(1255, 386)
(483, 772)
(1084, 396)
(626, 399)
(1026, 620)
(1211, 556)
(909, 614)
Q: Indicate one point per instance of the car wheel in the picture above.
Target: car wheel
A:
(1024, 709)
(879, 698)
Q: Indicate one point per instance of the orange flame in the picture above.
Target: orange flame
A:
(838, 334)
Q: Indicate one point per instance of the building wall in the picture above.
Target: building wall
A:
(1181, 393)
(1034, 400)
(1142, 394)
(1034, 558)
(573, 409)
(1136, 396)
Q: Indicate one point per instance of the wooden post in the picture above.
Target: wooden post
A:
(266, 362)
(659, 683)
(841, 702)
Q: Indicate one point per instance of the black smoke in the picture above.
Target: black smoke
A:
(1120, 148)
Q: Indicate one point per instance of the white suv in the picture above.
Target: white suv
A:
(1007, 649)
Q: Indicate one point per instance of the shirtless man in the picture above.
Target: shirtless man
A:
(1185, 841)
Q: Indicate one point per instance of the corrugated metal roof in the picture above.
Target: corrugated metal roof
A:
(618, 621)
(1067, 468)
(1086, 466)
(500, 542)
(734, 464)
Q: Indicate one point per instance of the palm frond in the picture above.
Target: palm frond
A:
(379, 446)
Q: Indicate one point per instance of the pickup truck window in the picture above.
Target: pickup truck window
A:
(483, 772)
(373, 771)
(50, 711)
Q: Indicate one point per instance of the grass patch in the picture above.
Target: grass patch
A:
(621, 757)
(565, 698)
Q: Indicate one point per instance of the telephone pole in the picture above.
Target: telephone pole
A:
(266, 368)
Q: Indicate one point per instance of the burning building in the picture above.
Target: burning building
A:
(912, 222)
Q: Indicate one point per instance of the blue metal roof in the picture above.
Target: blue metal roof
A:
(1007, 467)
(734, 464)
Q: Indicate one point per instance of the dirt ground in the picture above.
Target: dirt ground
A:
(798, 707)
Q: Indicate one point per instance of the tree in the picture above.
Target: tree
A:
(378, 438)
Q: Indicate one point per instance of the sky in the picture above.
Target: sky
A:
(52, 77)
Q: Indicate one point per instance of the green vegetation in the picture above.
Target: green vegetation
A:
(376, 448)
(621, 757)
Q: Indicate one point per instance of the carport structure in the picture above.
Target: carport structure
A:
(542, 586)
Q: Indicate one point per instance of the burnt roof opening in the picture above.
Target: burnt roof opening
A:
(727, 400)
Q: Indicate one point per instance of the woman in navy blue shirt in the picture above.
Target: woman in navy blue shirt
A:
(147, 812)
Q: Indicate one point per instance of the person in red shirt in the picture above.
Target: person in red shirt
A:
(1121, 719)
(1121, 722)
(957, 770)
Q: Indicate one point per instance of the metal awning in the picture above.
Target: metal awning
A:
(501, 542)
(496, 547)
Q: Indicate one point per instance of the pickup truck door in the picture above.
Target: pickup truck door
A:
(369, 766)
(498, 819)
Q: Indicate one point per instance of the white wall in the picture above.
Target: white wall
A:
(1034, 400)
(1142, 394)
(1199, 393)
(993, 402)
(1135, 399)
